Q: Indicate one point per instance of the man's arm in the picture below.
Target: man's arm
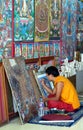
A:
(57, 96)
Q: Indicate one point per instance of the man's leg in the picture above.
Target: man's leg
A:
(59, 105)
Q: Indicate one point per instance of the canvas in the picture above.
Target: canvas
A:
(42, 76)
(21, 88)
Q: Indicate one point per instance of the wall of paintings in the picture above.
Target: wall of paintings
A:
(29, 28)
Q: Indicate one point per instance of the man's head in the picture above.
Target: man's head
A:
(52, 72)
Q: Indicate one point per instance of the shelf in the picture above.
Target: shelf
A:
(29, 61)
(40, 60)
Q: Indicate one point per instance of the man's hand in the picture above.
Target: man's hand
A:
(43, 82)
(45, 99)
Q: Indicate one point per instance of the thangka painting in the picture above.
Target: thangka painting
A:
(42, 20)
(17, 49)
(41, 49)
(80, 15)
(23, 20)
(36, 50)
(56, 47)
(21, 88)
(69, 27)
(55, 19)
(24, 50)
(5, 24)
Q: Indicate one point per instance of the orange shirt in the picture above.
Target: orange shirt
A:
(68, 94)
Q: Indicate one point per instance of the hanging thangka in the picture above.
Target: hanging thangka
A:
(5, 25)
(23, 20)
(55, 16)
(69, 16)
(41, 20)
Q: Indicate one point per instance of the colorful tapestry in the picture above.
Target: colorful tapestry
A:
(5, 25)
(3, 97)
(55, 19)
(42, 20)
(21, 88)
(80, 15)
(69, 27)
(23, 20)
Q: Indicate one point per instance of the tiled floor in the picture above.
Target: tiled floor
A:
(16, 125)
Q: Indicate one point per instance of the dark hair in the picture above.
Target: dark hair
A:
(53, 71)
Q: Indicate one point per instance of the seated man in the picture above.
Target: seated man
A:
(64, 95)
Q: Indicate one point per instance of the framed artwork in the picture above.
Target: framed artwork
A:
(41, 20)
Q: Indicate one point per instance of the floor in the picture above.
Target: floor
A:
(16, 124)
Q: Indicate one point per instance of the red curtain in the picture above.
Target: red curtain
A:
(3, 97)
